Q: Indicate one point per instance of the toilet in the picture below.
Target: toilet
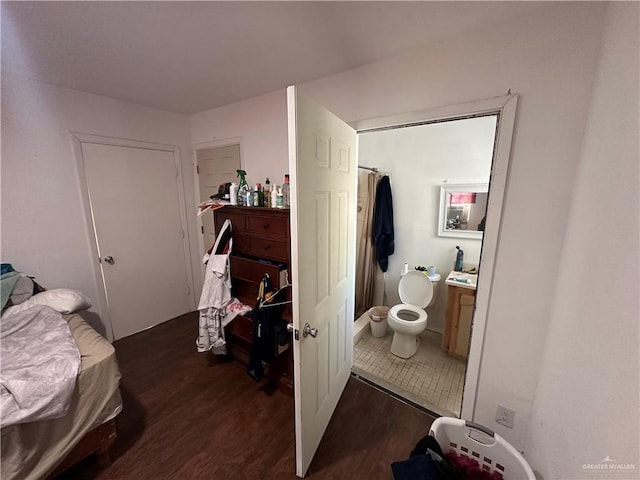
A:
(409, 319)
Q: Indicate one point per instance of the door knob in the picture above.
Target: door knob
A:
(308, 330)
(109, 259)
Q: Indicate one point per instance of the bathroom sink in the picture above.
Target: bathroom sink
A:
(464, 280)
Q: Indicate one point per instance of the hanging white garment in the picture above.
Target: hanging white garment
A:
(216, 294)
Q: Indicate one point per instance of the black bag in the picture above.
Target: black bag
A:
(269, 329)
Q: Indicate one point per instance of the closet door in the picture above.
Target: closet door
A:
(322, 164)
(135, 207)
(216, 166)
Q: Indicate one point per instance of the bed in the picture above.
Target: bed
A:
(45, 448)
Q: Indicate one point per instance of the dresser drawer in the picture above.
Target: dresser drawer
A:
(240, 243)
(267, 225)
(237, 220)
(242, 327)
(267, 248)
(253, 271)
(246, 292)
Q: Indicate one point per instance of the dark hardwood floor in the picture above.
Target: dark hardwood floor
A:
(192, 415)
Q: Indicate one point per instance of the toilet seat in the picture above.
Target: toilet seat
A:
(416, 292)
(398, 320)
(412, 311)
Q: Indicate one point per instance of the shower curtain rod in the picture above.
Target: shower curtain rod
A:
(373, 169)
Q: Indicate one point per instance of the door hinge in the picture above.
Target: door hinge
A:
(183, 234)
(188, 290)
(198, 169)
(202, 229)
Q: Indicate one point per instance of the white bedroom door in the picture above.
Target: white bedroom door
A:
(322, 164)
(135, 207)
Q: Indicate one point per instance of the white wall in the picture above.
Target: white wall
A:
(43, 225)
(419, 159)
(587, 403)
(261, 125)
(549, 60)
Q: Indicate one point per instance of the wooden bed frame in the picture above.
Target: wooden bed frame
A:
(99, 440)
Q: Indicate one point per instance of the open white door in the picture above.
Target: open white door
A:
(322, 164)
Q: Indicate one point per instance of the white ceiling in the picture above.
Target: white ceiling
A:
(189, 57)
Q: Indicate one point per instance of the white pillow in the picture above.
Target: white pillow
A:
(63, 300)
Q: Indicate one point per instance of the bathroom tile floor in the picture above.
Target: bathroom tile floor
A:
(430, 378)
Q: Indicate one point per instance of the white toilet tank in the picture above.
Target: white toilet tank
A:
(435, 279)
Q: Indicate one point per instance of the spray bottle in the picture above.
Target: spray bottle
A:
(243, 188)
(459, 258)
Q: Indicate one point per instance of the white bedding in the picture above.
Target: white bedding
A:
(31, 451)
(40, 365)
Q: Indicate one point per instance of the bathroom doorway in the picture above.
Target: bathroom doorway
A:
(419, 157)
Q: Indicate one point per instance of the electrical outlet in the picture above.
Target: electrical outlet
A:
(505, 417)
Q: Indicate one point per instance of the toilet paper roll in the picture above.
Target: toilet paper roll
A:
(405, 269)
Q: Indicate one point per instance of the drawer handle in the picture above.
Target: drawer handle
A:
(265, 226)
(266, 247)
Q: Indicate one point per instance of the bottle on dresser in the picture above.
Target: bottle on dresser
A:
(280, 199)
(243, 188)
(256, 195)
(266, 193)
(286, 192)
(233, 194)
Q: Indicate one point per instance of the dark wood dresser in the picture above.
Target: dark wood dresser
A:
(261, 245)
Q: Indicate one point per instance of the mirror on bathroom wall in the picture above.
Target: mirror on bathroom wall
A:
(462, 210)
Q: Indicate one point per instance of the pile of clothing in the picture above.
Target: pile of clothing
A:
(16, 286)
(217, 307)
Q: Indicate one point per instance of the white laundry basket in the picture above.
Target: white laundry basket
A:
(492, 452)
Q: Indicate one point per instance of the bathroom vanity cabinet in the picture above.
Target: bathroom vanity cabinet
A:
(261, 245)
(458, 318)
